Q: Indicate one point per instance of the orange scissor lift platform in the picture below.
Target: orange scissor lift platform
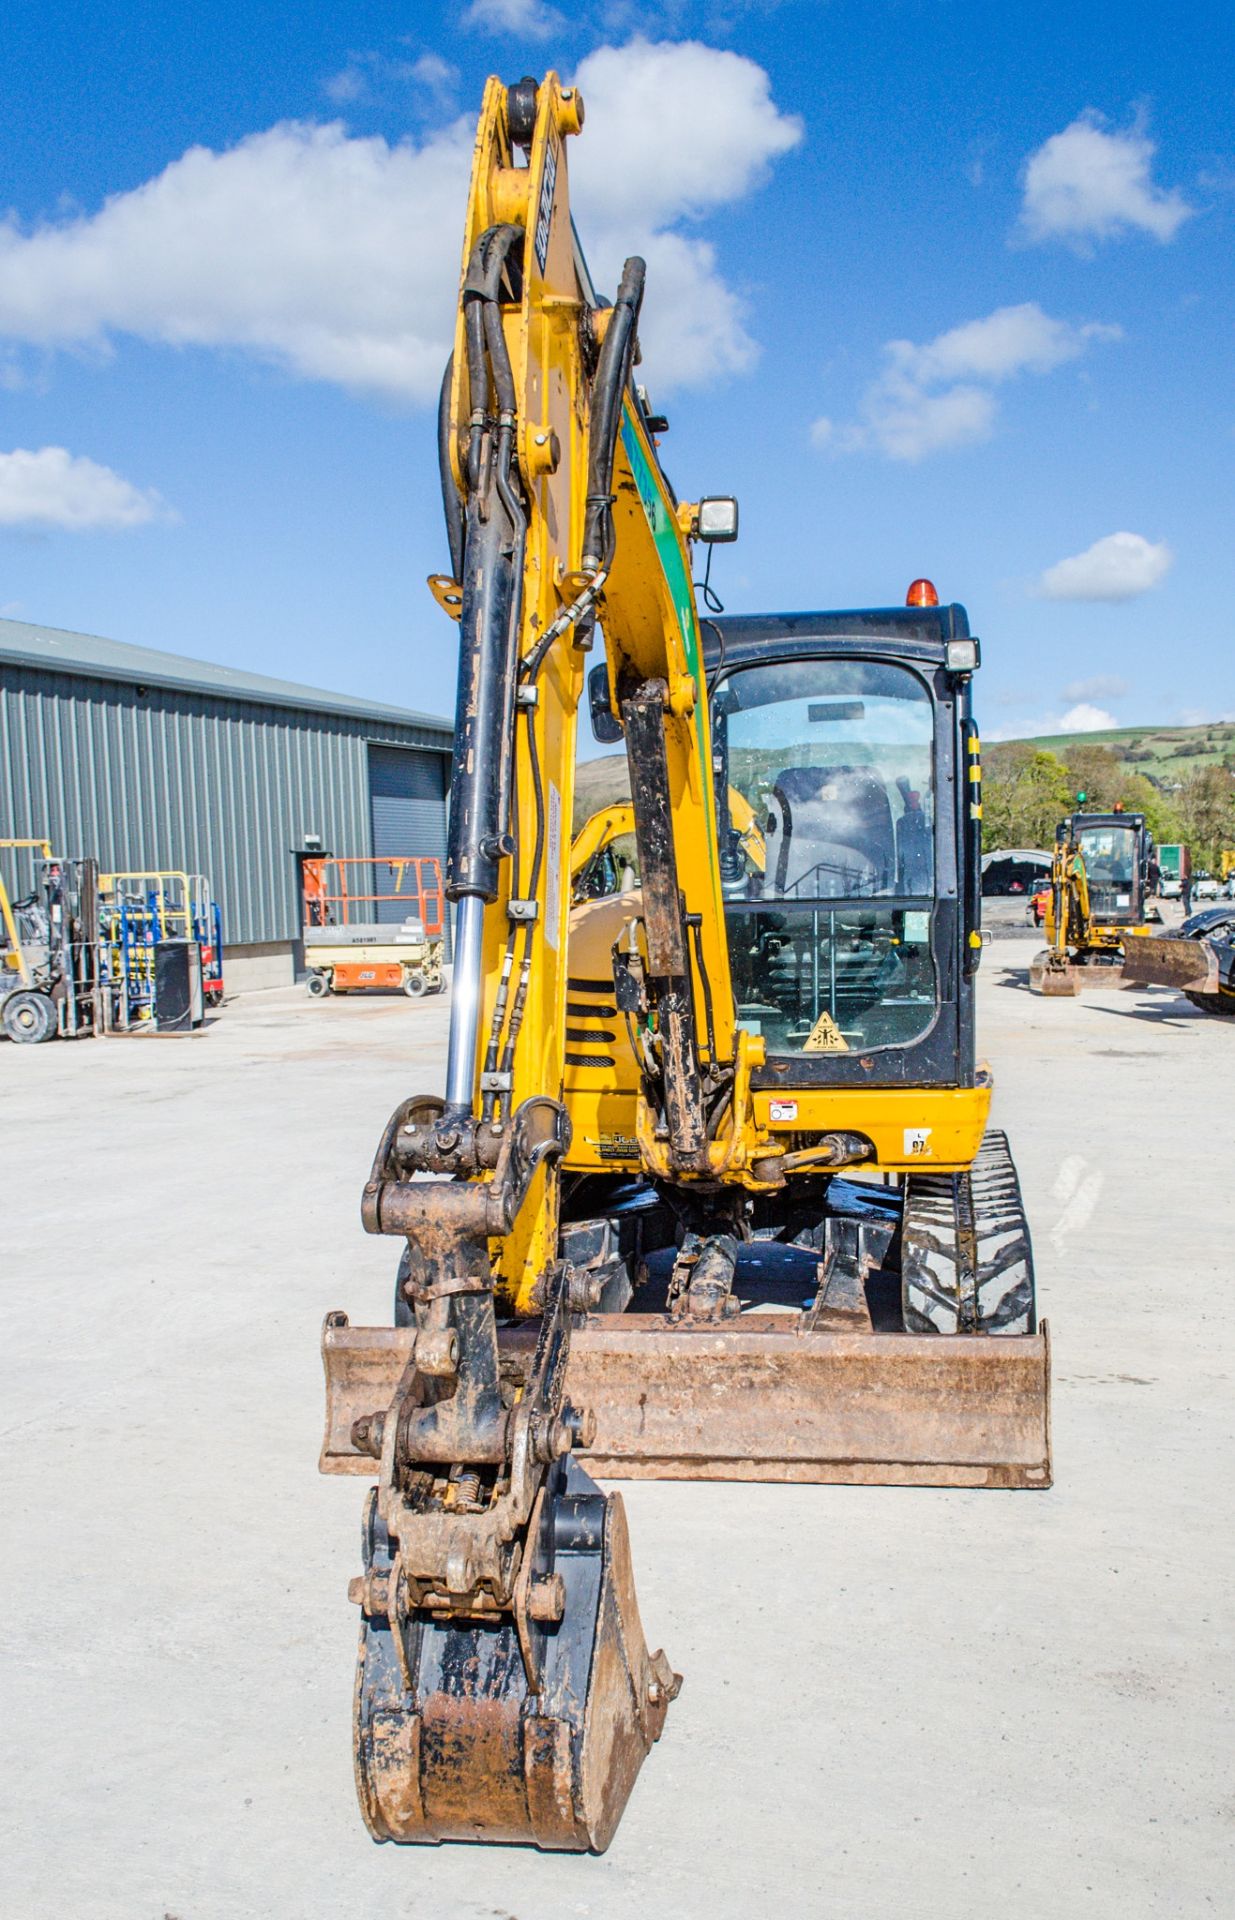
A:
(374, 923)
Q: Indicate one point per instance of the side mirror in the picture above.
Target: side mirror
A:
(605, 724)
(717, 520)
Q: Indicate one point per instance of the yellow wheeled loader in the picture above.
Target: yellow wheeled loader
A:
(710, 1192)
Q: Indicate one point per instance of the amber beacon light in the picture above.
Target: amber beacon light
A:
(922, 594)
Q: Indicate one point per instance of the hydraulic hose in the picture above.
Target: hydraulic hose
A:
(617, 354)
(452, 506)
(612, 377)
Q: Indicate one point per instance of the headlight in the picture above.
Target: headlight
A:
(718, 518)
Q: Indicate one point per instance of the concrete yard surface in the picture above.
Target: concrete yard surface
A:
(898, 1702)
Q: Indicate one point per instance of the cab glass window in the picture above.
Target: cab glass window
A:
(1109, 852)
(825, 795)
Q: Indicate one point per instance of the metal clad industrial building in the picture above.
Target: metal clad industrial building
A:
(149, 760)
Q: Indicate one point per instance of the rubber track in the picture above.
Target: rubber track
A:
(966, 1261)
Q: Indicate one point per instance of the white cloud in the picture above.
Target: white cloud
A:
(906, 424)
(337, 258)
(941, 394)
(1086, 184)
(351, 83)
(1083, 717)
(1086, 718)
(56, 488)
(1009, 341)
(369, 75)
(1100, 686)
(673, 128)
(1118, 567)
(672, 131)
(333, 257)
(528, 17)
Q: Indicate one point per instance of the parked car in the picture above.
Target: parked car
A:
(1204, 887)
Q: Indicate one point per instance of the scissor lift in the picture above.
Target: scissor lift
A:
(353, 943)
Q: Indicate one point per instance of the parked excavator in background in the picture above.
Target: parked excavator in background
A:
(711, 1192)
(1099, 901)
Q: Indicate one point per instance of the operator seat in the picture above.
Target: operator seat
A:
(834, 838)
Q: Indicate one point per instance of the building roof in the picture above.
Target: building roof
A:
(57, 651)
(1040, 854)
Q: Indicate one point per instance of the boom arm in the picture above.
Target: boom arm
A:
(563, 525)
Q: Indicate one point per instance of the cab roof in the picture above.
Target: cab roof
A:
(920, 631)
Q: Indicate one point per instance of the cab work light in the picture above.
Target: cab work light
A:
(718, 519)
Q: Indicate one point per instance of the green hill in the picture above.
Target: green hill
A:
(598, 783)
(1166, 754)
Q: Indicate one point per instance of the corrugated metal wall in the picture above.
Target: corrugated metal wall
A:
(168, 779)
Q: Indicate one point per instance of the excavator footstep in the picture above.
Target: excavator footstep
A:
(453, 1742)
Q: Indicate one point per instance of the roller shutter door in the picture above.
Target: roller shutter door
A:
(407, 806)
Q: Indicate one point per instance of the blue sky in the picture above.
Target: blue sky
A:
(937, 289)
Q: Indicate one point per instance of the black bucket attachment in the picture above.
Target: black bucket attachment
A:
(532, 1729)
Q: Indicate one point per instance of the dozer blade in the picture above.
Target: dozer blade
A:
(531, 1732)
(1190, 966)
(759, 1398)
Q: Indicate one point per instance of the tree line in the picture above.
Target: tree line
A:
(1028, 790)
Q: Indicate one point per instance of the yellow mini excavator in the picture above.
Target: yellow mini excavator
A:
(710, 1192)
(1098, 902)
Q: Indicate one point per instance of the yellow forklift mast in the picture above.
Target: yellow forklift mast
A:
(710, 1192)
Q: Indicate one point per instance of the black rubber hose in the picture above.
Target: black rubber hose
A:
(452, 506)
(499, 358)
(612, 374)
(481, 287)
(483, 280)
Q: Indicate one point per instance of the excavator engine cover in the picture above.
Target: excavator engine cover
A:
(484, 1733)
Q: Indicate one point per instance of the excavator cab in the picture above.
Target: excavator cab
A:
(845, 734)
(1116, 849)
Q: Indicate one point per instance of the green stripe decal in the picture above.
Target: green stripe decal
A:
(662, 522)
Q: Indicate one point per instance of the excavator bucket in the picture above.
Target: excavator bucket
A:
(529, 1730)
(760, 1398)
(1055, 982)
(1059, 979)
